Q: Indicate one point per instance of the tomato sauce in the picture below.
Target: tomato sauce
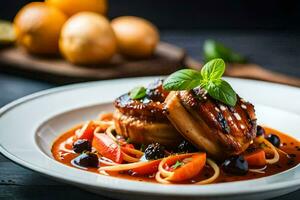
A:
(63, 153)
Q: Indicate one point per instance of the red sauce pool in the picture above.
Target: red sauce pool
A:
(288, 144)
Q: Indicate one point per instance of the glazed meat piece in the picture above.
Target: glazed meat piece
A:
(210, 125)
(143, 120)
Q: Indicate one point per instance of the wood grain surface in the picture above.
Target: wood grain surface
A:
(166, 59)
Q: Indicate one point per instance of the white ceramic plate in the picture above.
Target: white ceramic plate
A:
(28, 127)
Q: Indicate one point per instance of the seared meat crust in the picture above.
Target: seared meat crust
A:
(148, 108)
(221, 130)
(143, 120)
(144, 109)
(145, 131)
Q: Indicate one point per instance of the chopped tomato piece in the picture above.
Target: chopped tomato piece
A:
(150, 168)
(190, 169)
(86, 132)
(257, 158)
(107, 147)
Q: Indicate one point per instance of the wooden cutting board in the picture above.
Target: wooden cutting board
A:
(166, 59)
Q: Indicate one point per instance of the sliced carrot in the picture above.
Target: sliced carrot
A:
(189, 169)
(150, 168)
(141, 168)
(257, 158)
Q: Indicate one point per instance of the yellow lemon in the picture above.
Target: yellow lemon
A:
(136, 37)
(87, 38)
(7, 33)
(71, 7)
(37, 27)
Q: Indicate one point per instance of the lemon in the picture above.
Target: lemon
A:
(87, 38)
(136, 36)
(71, 7)
(37, 26)
(7, 32)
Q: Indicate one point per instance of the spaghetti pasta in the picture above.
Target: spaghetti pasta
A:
(129, 158)
(276, 157)
(216, 173)
(120, 156)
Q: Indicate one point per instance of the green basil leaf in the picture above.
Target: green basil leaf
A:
(213, 49)
(184, 79)
(137, 93)
(222, 91)
(213, 70)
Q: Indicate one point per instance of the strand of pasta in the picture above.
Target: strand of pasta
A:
(107, 161)
(275, 159)
(109, 132)
(133, 151)
(123, 167)
(214, 177)
(258, 170)
(129, 158)
(159, 179)
(162, 170)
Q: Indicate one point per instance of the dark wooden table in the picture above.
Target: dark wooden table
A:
(278, 51)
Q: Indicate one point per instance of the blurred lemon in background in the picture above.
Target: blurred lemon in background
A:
(71, 7)
(136, 36)
(38, 26)
(87, 38)
(7, 33)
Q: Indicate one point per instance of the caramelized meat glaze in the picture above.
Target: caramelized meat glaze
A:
(143, 120)
(210, 125)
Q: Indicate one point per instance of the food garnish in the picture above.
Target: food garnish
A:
(209, 78)
(137, 93)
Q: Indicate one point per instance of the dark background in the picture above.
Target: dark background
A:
(199, 14)
(267, 32)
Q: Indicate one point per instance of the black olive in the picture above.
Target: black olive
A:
(82, 145)
(87, 159)
(236, 165)
(186, 147)
(274, 139)
(154, 151)
(260, 131)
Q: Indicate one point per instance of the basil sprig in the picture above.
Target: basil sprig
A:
(209, 78)
(213, 49)
(137, 93)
